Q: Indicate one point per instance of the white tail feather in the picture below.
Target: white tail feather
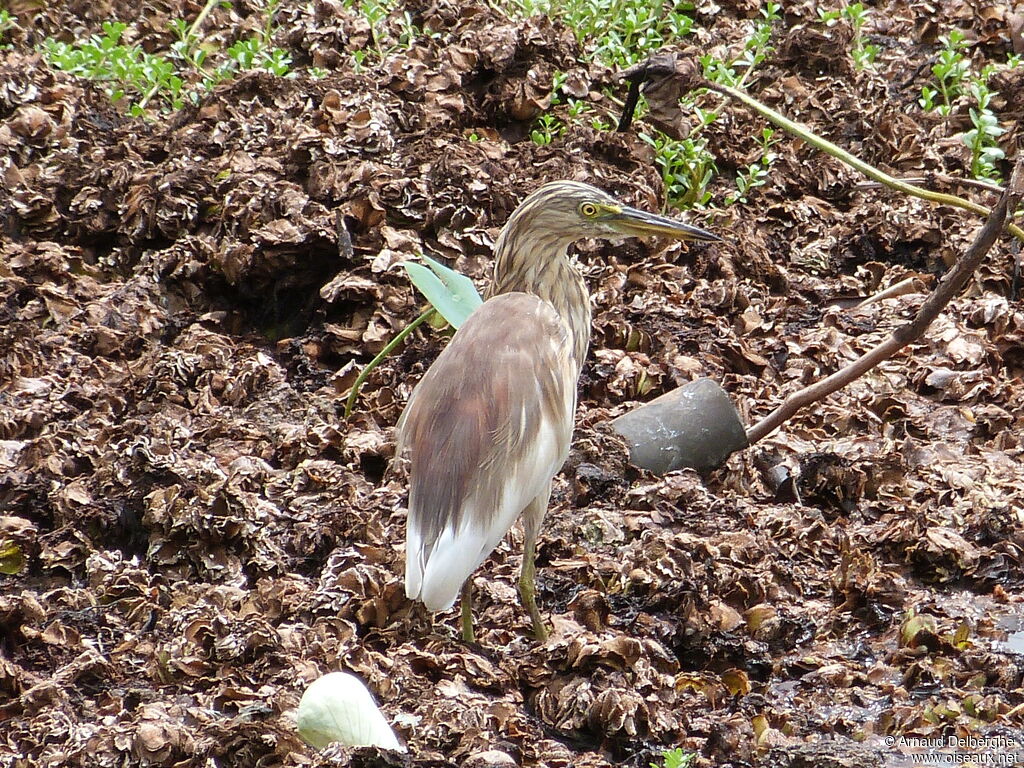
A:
(457, 553)
(452, 561)
(413, 562)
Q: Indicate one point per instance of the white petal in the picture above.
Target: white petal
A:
(337, 707)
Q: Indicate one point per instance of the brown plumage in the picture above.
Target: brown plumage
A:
(490, 423)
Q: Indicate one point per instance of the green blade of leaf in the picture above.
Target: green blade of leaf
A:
(460, 285)
(433, 289)
(453, 295)
(12, 559)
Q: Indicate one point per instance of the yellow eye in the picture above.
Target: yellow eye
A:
(589, 210)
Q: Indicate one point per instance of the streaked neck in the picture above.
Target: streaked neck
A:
(537, 263)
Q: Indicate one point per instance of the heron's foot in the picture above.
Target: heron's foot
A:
(540, 630)
(468, 636)
(526, 594)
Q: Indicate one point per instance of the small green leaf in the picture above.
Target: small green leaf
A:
(12, 559)
(675, 758)
(453, 295)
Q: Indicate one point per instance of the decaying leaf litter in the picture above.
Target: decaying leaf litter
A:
(186, 300)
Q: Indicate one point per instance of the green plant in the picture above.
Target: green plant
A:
(12, 557)
(388, 349)
(7, 23)
(548, 129)
(675, 758)
(126, 69)
(254, 54)
(557, 81)
(756, 174)
(717, 71)
(863, 53)
(826, 146)
(953, 76)
(630, 30)
(257, 51)
(129, 71)
(686, 166)
(756, 49)
(185, 47)
(705, 117)
(982, 139)
(949, 70)
(188, 49)
(268, 20)
(451, 293)
(617, 32)
(578, 107)
(376, 13)
(407, 31)
(757, 46)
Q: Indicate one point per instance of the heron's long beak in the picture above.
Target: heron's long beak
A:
(634, 222)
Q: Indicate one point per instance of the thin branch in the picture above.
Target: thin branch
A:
(853, 161)
(987, 186)
(200, 19)
(947, 288)
(149, 95)
(901, 288)
(399, 338)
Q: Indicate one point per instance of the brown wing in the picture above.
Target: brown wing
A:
(485, 431)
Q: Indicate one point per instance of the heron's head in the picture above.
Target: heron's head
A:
(570, 210)
(530, 252)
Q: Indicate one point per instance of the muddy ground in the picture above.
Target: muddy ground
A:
(193, 532)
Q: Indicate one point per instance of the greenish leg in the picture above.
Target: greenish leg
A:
(467, 611)
(527, 593)
(533, 515)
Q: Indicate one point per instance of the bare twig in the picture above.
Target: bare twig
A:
(853, 161)
(1018, 267)
(399, 338)
(947, 288)
(945, 178)
(679, 73)
(194, 29)
(902, 288)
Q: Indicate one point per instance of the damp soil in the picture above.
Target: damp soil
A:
(194, 532)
